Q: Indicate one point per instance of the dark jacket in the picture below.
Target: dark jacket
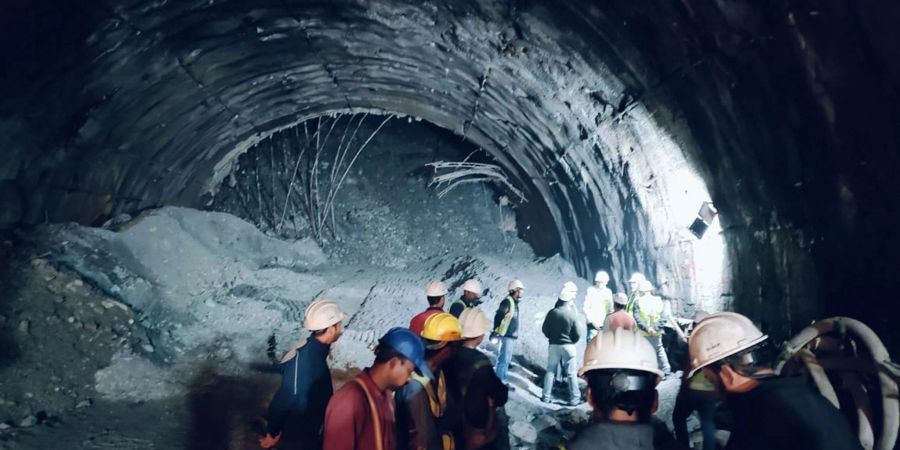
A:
(624, 436)
(459, 305)
(471, 380)
(785, 413)
(304, 393)
(417, 427)
(563, 324)
(506, 321)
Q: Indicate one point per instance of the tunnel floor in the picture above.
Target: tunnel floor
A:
(85, 372)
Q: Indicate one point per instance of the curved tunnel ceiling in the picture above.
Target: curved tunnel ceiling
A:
(597, 111)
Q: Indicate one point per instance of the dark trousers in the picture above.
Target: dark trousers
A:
(705, 404)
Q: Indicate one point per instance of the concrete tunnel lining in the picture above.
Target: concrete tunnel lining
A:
(156, 95)
(519, 107)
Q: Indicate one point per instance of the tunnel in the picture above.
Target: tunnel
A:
(146, 141)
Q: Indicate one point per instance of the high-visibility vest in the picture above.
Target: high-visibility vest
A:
(649, 308)
(437, 401)
(629, 305)
(508, 318)
(597, 303)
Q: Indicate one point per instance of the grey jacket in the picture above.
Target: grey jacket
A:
(564, 324)
(624, 436)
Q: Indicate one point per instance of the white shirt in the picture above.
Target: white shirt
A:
(597, 304)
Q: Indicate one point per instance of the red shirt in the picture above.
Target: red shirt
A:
(418, 322)
(619, 319)
(348, 419)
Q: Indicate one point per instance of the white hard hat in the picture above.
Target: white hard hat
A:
(620, 298)
(322, 314)
(719, 336)
(620, 349)
(473, 286)
(515, 284)
(601, 277)
(474, 322)
(568, 292)
(636, 277)
(435, 288)
(645, 286)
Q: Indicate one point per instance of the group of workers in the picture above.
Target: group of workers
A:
(637, 310)
(430, 388)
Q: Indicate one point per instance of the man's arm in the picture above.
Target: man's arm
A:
(590, 309)
(291, 395)
(638, 319)
(580, 326)
(547, 326)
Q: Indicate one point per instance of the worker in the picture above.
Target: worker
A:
(360, 415)
(633, 283)
(299, 405)
(506, 327)
(436, 293)
(598, 302)
(428, 418)
(769, 412)
(471, 297)
(621, 372)
(647, 312)
(471, 379)
(697, 393)
(563, 327)
(619, 318)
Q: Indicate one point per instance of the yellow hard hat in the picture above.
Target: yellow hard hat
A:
(442, 327)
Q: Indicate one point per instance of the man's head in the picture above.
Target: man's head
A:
(568, 292)
(398, 354)
(622, 373)
(397, 367)
(645, 287)
(472, 290)
(635, 279)
(601, 279)
(324, 319)
(436, 292)
(516, 289)
(474, 324)
(620, 300)
(730, 351)
(440, 334)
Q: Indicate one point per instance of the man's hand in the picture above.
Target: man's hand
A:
(495, 340)
(269, 441)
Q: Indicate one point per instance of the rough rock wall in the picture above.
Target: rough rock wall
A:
(788, 111)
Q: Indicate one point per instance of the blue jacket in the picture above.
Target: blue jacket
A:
(304, 393)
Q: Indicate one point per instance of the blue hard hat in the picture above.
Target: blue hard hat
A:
(409, 345)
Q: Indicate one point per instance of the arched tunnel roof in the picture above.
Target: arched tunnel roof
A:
(596, 109)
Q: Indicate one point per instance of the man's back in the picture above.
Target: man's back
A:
(613, 436)
(563, 325)
(785, 413)
(349, 420)
(471, 377)
(619, 319)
